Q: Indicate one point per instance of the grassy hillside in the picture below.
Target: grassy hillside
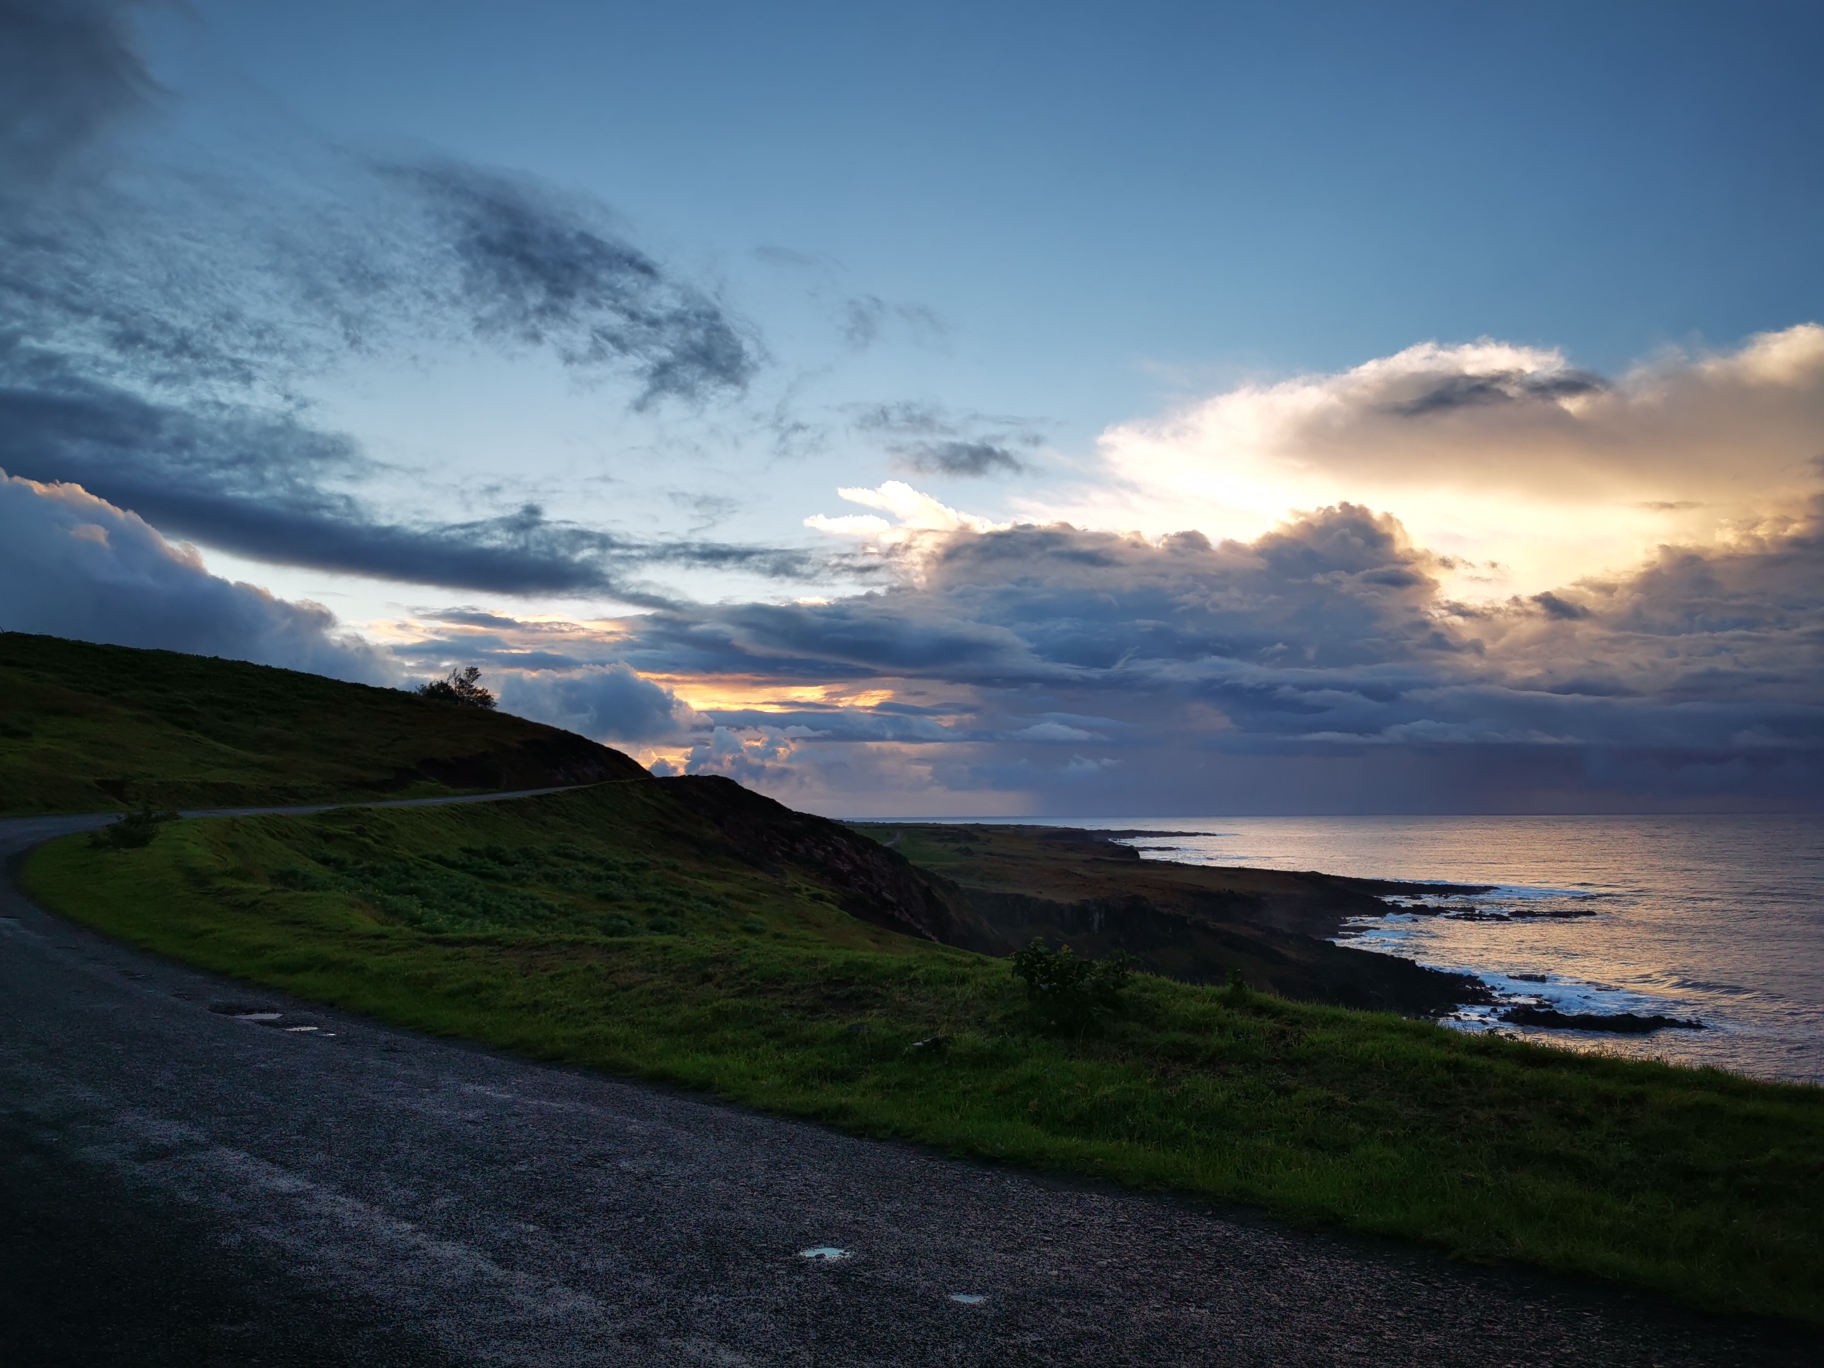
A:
(673, 930)
(1189, 922)
(86, 728)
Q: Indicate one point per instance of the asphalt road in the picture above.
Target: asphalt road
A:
(182, 1185)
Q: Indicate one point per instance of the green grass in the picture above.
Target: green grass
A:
(86, 728)
(528, 925)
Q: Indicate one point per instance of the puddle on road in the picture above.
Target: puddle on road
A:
(968, 1298)
(261, 1014)
(823, 1254)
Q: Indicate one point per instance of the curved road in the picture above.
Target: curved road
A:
(186, 1180)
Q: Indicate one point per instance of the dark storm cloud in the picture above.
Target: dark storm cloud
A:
(1316, 668)
(75, 566)
(609, 703)
(1557, 607)
(1062, 607)
(839, 724)
(261, 486)
(68, 70)
(1323, 647)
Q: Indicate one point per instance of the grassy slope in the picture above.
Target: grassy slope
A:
(87, 728)
(1071, 866)
(1189, 922)
(517, 933)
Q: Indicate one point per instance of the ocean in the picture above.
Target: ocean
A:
(1717, 919)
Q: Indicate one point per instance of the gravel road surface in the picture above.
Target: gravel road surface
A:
(194, 1172)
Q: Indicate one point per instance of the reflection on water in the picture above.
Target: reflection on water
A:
(1717, 918)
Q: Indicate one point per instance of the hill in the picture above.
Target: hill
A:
(88, 728)
(691, 930)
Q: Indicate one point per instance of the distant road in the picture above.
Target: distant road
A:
(179, 1186)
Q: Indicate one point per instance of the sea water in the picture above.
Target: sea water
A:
(1714, 919)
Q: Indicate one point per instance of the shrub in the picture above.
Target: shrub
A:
(1067, 993)
(460, 687)
(132, 831)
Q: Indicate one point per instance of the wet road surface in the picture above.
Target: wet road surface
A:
(190, 1174)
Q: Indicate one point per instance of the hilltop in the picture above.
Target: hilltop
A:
(88, 728)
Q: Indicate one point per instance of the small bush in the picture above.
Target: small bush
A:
(132, 832)
(1071, 994)
(461, 687)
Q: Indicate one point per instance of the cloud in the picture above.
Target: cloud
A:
(609, 703)
(69, 69)
(863, 318)
(915, 517)
(1320, 666)
(264, 487)
(927, 439)
(73, 565)
(1054, 731)
(542, 273)
(1490, 453)
(163, 329)
(957, 458)
(1550, 382)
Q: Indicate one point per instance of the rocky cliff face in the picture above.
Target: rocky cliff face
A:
(870, 881)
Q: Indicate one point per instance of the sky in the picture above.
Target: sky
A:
(989, 409)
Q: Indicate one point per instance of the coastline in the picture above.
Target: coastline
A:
(1114, 887)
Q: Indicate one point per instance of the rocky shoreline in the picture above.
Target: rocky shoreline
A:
(1285, 931)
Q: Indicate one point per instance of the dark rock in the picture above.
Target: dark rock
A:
(1621, 1023)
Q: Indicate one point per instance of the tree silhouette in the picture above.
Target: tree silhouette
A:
(459, 687)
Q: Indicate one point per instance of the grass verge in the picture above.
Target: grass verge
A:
(531, 926)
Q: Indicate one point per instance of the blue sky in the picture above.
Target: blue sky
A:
(669, 360)
(1098, 196)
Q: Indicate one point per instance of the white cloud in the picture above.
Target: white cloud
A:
(1526, 471)
(917, 518)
